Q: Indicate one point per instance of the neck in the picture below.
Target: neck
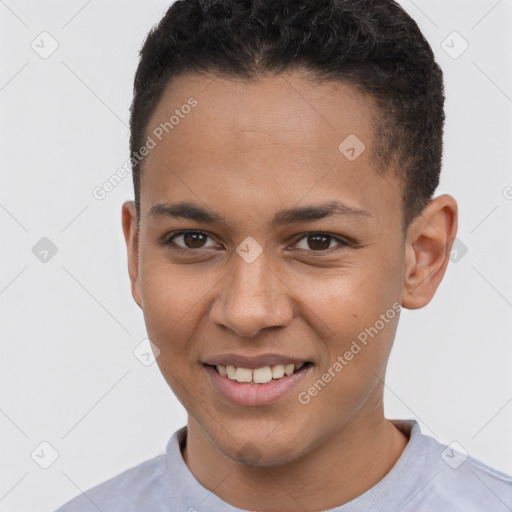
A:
(342, 467)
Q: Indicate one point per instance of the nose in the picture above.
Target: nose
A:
(252, 297)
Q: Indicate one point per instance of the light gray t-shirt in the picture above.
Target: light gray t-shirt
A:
(428, 477)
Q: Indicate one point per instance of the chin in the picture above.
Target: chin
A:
(261, 453)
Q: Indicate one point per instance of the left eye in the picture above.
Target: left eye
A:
(320, 241)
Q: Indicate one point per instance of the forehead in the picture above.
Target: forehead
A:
(273, 140)
(283, 109)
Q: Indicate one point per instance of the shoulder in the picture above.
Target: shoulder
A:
(139, 488)
(473, 485)
(455, 481)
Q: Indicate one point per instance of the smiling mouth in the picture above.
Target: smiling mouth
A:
(262, 375)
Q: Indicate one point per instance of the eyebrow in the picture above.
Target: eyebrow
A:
(188, 210)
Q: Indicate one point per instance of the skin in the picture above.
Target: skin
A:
(247, 151)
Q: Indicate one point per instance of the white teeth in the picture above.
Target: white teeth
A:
(278, 371)
(243, 375)
(258, 375)
(230, 372)
(289, 369)
(262, 375)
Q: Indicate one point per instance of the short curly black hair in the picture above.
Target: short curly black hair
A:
(373, 45)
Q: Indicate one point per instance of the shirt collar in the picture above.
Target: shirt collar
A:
(396, 488)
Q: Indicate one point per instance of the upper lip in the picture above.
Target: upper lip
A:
(253, 362)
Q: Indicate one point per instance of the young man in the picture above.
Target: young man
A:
(285, 155)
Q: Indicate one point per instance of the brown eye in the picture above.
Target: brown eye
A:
(191, 240)
(320, 242)
(194, 240)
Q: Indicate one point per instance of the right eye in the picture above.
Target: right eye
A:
(192, 240)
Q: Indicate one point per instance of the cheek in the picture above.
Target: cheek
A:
(170, 314)
(355, 312)
(168, 290)
(170, 303)
(347, 300)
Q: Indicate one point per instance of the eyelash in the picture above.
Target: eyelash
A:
(343, 244)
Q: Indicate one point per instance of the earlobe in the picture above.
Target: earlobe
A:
(428, 244)
(131, 236)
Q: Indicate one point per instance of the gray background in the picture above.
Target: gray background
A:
(69, 326)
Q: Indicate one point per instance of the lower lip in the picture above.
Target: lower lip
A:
(243, 393)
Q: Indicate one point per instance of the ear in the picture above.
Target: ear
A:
(428, 244)
(131, 236)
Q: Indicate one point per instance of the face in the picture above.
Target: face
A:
(291, 251)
